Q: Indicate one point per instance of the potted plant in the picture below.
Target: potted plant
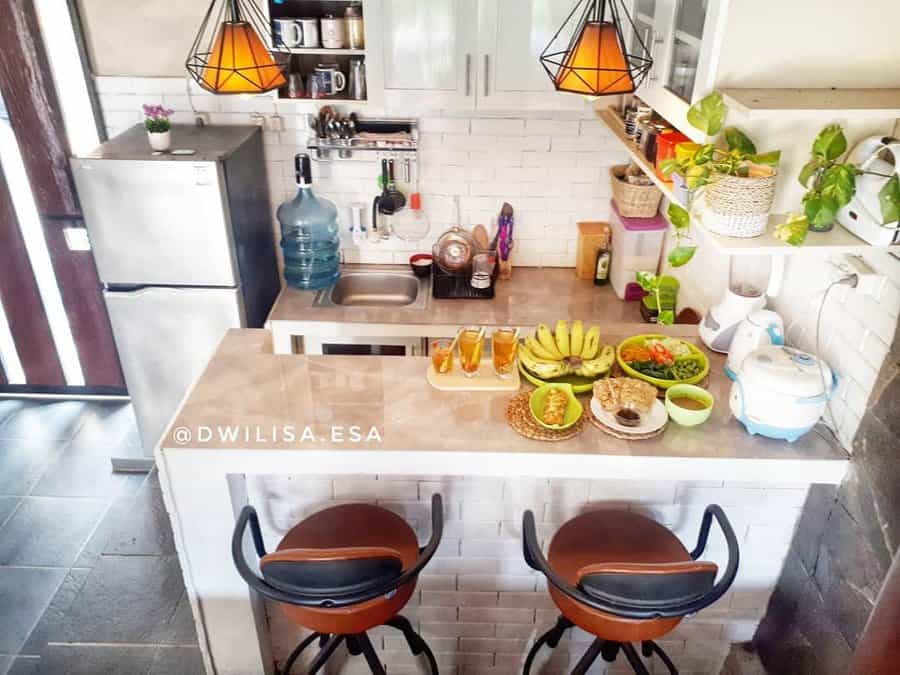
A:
(831, 184)
(738, 181)
(159, 128)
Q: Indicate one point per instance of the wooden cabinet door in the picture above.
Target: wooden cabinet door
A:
(428, 53)
(511, 36)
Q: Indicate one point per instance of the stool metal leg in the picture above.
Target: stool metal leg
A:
(417, 644)
(369, 652)
(551, 638)
(324, 654)
(634, 659)
(649, 647)
(588, 658)
(306, 642)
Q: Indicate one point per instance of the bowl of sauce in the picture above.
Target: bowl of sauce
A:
(688, 404)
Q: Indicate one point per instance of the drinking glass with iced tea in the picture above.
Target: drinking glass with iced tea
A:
(504, 344)
(442, 356)
(471, 346)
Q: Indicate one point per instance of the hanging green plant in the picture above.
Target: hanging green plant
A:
(831, 184)
(734, 154)
(684, 248)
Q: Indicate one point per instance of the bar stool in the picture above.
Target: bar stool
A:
(340, 573)
(624, 579)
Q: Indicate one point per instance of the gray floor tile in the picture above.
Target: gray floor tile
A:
(179, 629)
(109, 425)
(58, 421)
(177, 661)
(24, 594)
(65, 659)
(126, 599)
(51, 627)
(5, 663)
(22, 462)
(82, 470)
(7, 506)
(25, 665)
(49, 531)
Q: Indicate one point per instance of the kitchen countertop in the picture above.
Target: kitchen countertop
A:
(532, 296)
(421, 430)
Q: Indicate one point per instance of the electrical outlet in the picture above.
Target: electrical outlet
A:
(258, 119)
(868, 281)
(275, 122)
(201, 119)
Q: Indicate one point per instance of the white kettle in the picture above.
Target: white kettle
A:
(879, 158)
(761, 328)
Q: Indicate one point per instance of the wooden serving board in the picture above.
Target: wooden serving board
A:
(486, 380)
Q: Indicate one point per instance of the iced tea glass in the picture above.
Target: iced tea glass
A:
(442, 356)
(471, 346)
(504, 346)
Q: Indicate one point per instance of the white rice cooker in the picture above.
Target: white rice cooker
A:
(779, 392)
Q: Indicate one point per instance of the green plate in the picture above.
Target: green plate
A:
(640, 341)
(580, 384)
(574, 411)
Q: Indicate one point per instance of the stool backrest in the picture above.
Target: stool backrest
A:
(333, 572)
(659, 585)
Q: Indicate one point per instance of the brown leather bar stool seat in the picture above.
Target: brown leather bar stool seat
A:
(340, 573)
(625, 579)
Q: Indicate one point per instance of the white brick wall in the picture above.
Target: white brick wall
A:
(480, 607)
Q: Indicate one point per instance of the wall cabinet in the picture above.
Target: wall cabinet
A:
(684, 38)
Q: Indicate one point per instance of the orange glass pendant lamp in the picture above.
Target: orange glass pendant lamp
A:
(588, 53)
(233, 52)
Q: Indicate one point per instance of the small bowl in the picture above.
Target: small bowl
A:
(421, 264)
(685, 416)
(628, 417)
(574, 410)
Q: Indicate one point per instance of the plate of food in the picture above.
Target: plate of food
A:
(570, 354)
(555, 407)
(662, 361)
(628, 406)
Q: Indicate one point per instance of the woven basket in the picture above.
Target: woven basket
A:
(633, 201)
(738, 207)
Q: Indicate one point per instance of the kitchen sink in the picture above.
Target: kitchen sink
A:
(376, 289)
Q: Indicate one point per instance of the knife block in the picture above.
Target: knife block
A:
(592, 236)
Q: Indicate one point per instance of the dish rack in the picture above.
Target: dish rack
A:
(446, 286)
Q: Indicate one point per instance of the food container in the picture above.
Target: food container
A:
(592, 236)
(637, 245)
(689, 417)
(665, 148)
(634, 201)
(781, 392)
(421, 264)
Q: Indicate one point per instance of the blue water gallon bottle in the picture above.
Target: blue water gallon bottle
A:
(309, 235)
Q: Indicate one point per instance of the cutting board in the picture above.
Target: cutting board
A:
(486, 380)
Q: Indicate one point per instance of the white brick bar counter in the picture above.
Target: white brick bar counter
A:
(292, 435)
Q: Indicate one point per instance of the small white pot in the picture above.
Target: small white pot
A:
(160, 141)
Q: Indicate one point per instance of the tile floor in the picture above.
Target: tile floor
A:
(89, 580)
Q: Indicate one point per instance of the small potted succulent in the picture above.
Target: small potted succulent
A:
(159, 128)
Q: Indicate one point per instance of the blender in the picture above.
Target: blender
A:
(748, 276)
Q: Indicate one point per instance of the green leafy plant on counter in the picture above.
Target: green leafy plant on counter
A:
(831, 184)
(793, 230)
(733, 155)
(653, 283)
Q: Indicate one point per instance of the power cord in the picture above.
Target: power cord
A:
(850, 280)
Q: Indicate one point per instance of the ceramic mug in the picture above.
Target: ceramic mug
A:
(288, 32)
(329, 79)
(334, 32)
(310, 28)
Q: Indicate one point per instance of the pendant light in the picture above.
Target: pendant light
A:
(588, 54)
(233, 51)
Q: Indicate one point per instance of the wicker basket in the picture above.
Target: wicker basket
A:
(738, 207)
(633, 201)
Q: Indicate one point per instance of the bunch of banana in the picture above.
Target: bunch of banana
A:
(566, 350)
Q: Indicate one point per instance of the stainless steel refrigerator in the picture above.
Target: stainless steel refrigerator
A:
(184, 248)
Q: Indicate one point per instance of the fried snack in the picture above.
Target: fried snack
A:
(618, 392)
(555, 406)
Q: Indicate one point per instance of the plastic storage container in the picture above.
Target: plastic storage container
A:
(637, 245)
(309, 235)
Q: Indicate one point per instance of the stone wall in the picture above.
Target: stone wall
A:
(845, 542)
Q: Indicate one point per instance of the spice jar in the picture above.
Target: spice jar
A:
(356, 34)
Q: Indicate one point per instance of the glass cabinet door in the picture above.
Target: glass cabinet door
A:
(690, 17)
(644, 21)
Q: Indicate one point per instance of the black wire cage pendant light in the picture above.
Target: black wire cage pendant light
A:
(587, 55)
(234, 51)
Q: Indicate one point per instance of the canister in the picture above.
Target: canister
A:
(637, 245)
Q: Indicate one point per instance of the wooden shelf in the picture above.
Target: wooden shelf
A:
(839, 240)
(617, 125)
(321, 50)
(816, 103)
